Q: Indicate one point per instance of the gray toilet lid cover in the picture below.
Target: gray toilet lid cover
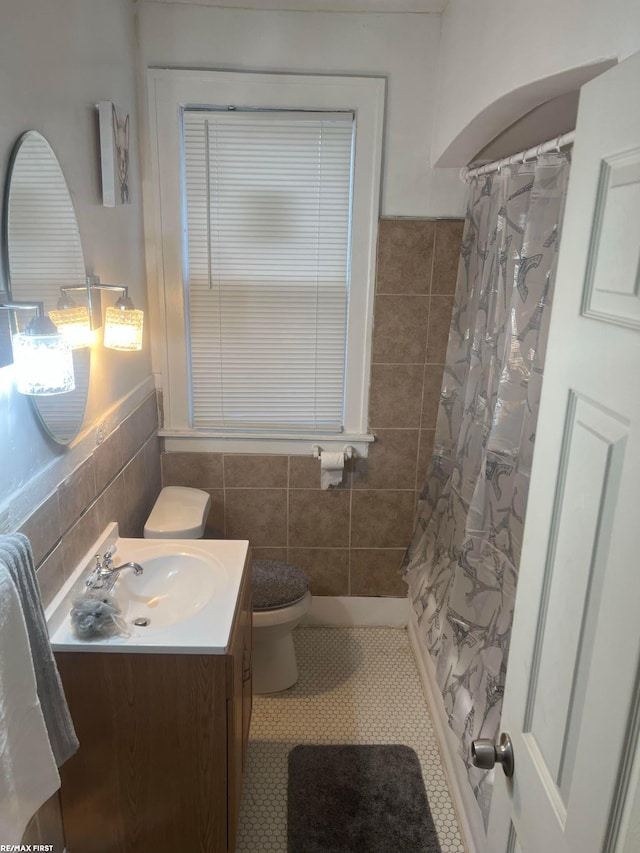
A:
(277, 584)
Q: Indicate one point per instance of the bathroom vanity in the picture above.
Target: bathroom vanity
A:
(163, 728)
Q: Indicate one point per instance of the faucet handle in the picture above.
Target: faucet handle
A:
(104, 563)
(93, 581)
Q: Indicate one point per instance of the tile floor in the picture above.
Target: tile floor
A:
(357, 685)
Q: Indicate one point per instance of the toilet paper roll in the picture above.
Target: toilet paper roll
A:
(331, 469)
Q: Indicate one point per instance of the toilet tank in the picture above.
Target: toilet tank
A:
(178, 513)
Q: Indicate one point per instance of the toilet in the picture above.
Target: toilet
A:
(178, 513)
(281, 598)
(281, 594)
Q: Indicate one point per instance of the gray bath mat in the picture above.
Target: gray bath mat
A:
(358, 799)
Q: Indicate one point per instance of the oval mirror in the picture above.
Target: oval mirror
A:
(44, 253)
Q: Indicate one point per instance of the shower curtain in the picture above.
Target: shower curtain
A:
(462, 564)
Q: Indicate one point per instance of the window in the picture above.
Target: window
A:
(268, 210)
(266, 216)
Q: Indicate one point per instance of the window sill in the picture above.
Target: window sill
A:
(288, 444)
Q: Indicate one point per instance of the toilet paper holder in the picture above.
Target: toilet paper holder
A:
(349, 452)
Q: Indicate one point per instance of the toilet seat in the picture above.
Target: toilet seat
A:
(281, 615)
(277, 585)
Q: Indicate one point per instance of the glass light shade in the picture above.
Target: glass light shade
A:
(123, 328)
(74, 324)
(43, 364)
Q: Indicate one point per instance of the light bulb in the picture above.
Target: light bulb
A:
(123, 328)
(74, 324)
(43, 364)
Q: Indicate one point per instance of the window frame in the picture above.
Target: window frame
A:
(170, 92)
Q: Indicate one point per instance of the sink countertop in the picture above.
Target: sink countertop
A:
(178, 623)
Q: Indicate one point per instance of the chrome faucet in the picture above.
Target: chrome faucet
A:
(105, 574)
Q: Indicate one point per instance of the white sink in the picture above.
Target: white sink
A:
(173, 588)
(186, 595)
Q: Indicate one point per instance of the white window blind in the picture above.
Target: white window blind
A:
(268, 210)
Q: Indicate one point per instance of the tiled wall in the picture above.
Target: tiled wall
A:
(351, 539)
(119, 482)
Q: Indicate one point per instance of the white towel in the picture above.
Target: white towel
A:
(28, 772)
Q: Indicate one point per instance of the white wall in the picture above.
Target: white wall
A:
(401, 47)
(493, 47)
(57, 60)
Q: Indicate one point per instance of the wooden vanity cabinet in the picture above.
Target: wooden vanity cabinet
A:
(163, 739)
(239, 706)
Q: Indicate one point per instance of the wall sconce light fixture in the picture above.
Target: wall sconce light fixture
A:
(123, 322)
(41, 355)
(123, 325)
(72, 321)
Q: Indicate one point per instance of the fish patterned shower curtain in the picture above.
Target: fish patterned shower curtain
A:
(462, 564)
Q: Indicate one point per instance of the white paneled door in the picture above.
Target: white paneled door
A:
(572, 702)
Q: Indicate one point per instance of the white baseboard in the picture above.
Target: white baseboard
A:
(469, 817)
(353, 611)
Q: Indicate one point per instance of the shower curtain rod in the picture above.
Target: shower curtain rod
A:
(562, 141)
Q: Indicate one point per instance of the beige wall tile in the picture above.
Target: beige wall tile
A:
(109, 459)
(71, 519)
(375, 572)
(319, 518)
(405, 253)
(137, 500)
(259, 515)
(279, 555)
(50, 575)
(214, 527)
(304, 472)
(431, 395)
(153, 473)
(424, 455)
(328, 568)
(198, 470)
(439, 322)
(43, 528)
(391, 463)
(253, 471)
(111, 505)
(76, 493)
(395, 395)
(77, 541)
(448, 242)
(139, 426)
(400, 328)
(149, 416)
(381, 519)
(131, 434)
